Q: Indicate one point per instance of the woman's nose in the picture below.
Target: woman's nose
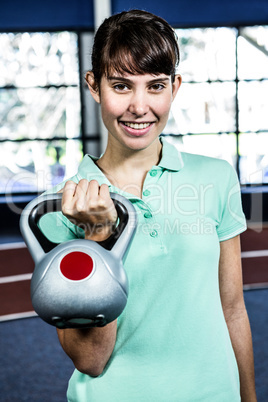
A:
(139, 104)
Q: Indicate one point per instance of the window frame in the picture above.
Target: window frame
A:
(237, 80)
(87, 136)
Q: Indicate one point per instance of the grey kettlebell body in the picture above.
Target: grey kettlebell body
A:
(79, 283)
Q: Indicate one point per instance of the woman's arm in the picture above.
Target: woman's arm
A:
(89, 349)
(231, 291)
(89, 205)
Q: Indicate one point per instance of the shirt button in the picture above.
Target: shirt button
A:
(154, 233)
(146, 192)
(153, 173)
(147, 215)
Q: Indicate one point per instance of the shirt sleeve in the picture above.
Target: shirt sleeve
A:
(232, 221)
(58, 229)
(55, 226)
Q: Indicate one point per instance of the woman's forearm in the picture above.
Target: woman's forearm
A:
(240, 333)
(89, 349)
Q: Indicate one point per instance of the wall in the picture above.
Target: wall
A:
(78, 14)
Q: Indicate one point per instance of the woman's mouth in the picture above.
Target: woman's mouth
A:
(136, 129)
(137, 126)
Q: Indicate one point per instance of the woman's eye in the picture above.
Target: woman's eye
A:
(120, 87)
(157, 87)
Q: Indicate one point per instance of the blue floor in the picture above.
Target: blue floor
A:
(34, 368)
(257, 307)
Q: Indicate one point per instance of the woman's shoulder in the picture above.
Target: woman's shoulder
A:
(205, 168)
(203, 162)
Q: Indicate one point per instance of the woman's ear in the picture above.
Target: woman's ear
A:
(92, 85)
(176, 85)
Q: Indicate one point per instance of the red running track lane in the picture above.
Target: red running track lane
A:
(16, 267)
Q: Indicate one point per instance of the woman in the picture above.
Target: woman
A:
(184, 334)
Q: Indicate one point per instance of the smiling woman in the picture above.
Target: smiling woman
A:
(183, 265)
(118, 57)
(134, 107)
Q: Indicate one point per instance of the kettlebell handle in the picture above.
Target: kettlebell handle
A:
(38, 243)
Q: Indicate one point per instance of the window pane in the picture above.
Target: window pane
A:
(253, 150)
(37, 165)
(207, 54)
(203, 108)
(253, 106)
(39, 113)
(252, 53)
(38, 59)
(92, 147)
(221, 146)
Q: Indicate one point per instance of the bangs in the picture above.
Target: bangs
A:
(134, 42)
(126, 55)
(125, 62)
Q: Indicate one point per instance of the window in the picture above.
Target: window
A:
(221, 108)
(220, 111)
(40, 110)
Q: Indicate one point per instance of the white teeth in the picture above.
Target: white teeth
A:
(137, 126)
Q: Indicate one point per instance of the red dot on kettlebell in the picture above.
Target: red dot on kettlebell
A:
(76, 266)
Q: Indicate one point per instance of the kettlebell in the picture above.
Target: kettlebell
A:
(79, 283)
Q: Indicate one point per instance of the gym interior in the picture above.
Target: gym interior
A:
(48, 122)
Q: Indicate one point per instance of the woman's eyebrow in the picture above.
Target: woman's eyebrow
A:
(160, 79)
(127, 80)
(115, 78)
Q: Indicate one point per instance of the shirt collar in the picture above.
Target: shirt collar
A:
(171, 160)
(171, 156)
(90, 171)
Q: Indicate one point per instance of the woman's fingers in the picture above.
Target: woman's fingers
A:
(90, 205)
(108, 202)
(93, 195)
(104, 192)
(67, 197)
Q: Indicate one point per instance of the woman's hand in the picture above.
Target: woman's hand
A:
(90, 207)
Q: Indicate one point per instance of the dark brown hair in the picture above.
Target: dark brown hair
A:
(134, 42)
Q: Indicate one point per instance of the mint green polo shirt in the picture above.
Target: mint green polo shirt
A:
(172, 340)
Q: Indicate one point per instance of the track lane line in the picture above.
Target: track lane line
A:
(16, 316)
(15, 278)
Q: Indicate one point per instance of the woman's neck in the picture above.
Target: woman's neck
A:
(127, 169)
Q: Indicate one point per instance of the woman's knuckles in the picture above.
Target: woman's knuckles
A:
(91, 208)
(81, 206)
(67, 209)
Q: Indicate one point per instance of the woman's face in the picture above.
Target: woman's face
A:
(135, 108)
